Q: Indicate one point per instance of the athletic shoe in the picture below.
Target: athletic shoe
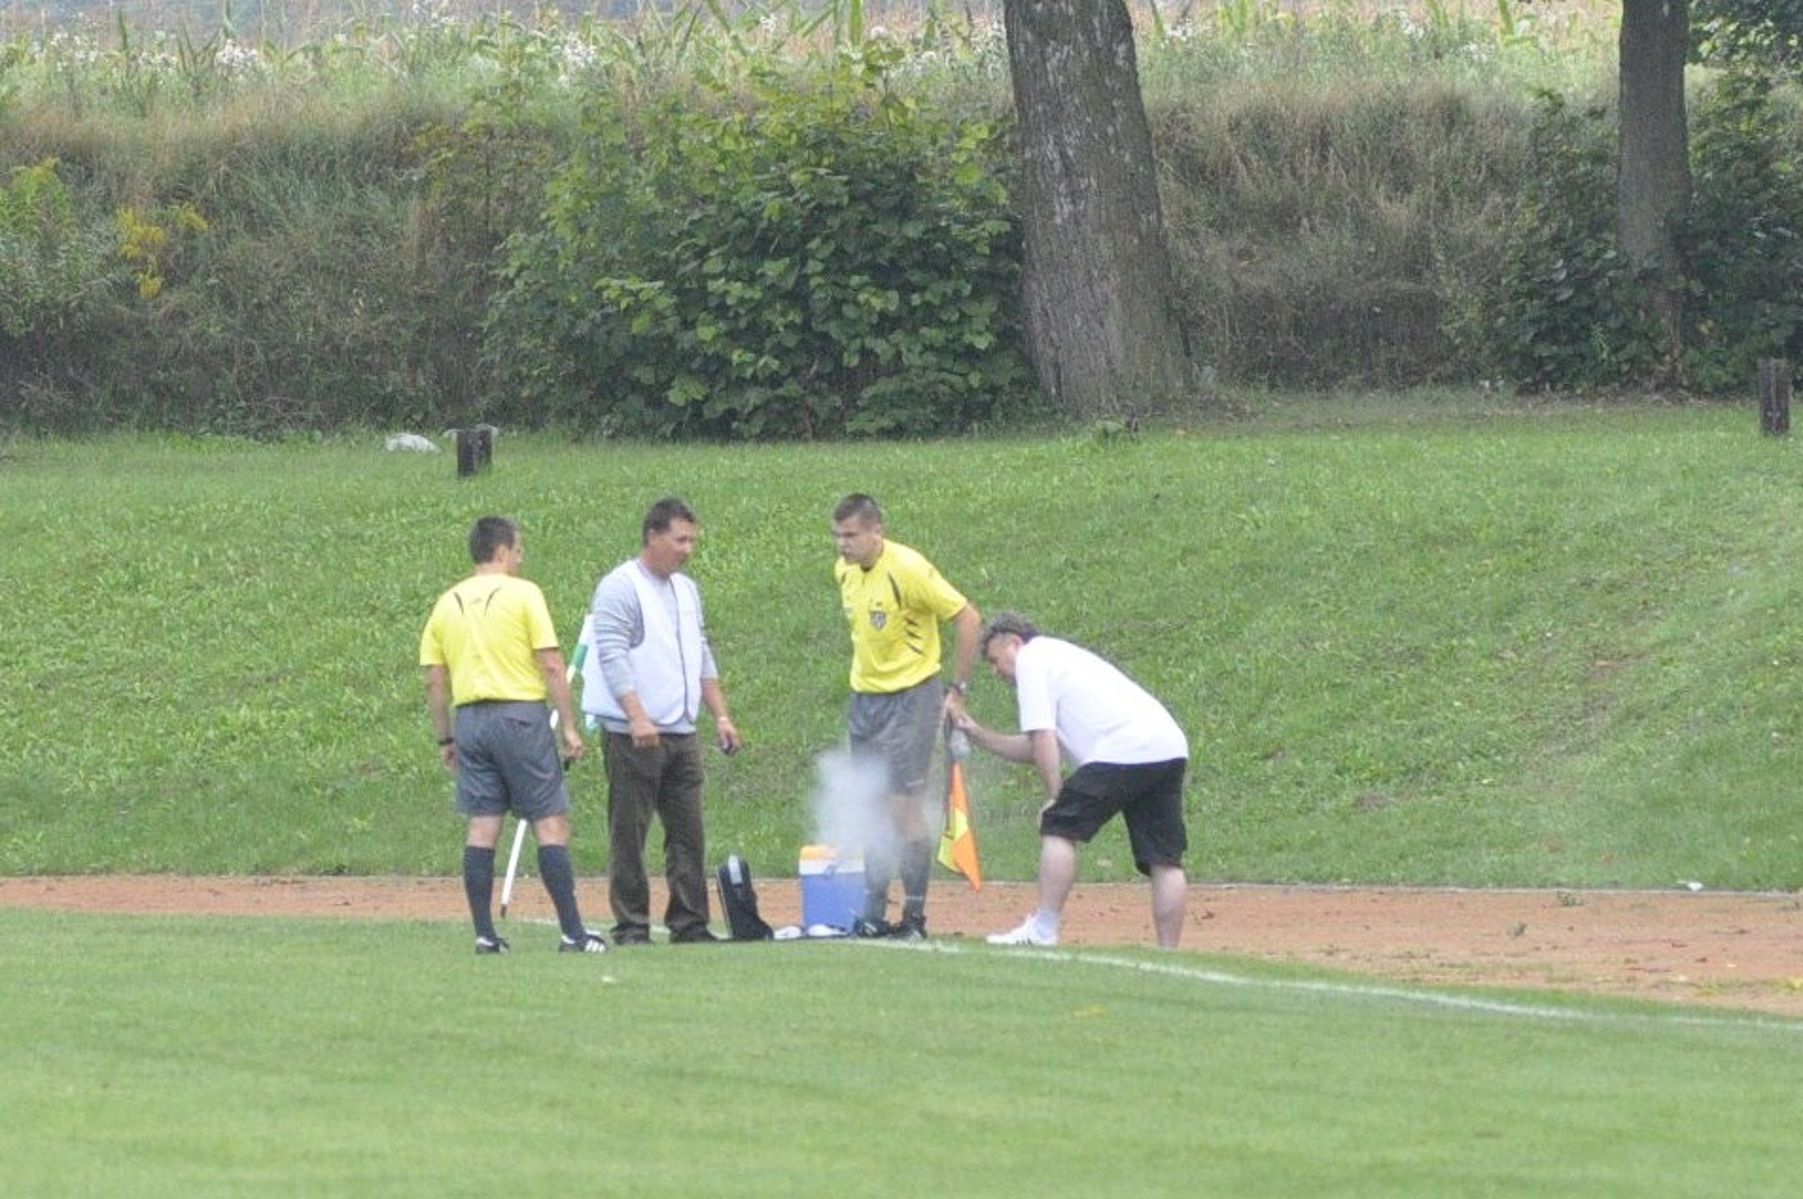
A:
(631, 936)
(871, 929)
(591, 943)
(484, 946)
(701, 934)
(911, 928)
(1027, 934)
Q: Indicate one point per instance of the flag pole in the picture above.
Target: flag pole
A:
(577, 657)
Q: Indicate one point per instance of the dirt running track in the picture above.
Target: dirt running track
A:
(1719, 949)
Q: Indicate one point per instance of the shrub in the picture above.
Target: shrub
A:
(810, 255)
(54, 264)
(1571, 311)
(1744, 238)
(60, 276)
(1738, 31)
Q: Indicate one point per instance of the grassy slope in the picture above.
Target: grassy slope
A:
(230, 1057)
(1545, 648)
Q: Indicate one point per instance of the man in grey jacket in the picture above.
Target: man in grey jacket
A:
(650, 670)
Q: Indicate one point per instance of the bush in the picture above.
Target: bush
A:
(1748, 31)
(809, 256)
(1571, 310)
(60, 277)
(55, 265)
(1744, 239)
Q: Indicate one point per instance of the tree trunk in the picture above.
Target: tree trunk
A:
(1102, 325)
(1653, 191)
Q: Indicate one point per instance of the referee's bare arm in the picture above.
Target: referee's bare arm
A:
(969, 628)
(438, 703)
(557, 681)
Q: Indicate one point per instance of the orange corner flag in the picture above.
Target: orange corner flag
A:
(958, 844)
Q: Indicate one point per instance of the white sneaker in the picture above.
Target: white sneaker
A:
(1027, 934)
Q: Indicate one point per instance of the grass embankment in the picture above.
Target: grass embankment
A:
(196, 1057)
(1503, 648)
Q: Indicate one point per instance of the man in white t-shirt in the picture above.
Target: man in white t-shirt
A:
(1129, 757)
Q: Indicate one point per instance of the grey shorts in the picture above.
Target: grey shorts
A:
(899, 730)
(507, 761)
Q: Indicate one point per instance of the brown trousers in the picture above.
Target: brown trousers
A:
(666, 780)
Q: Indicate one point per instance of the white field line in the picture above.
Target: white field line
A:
(1478, 1004)
(1442, 999)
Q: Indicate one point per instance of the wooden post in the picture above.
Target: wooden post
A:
(474, 449)
(1774, 396)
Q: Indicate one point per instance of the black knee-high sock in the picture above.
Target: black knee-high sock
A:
(560, 880)
(916, 871)
(878, 867)
(479, 887)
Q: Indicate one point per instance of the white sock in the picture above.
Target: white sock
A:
(1045, 923)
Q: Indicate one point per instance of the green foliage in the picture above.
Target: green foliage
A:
(1757, 31)
(1744, 238)
(808, 255)
(1337, 184)
(55, 264)
(1571, 310)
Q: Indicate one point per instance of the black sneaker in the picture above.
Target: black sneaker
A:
(911, 928)
(870, 929)
(486, 945)
(701, 934)
(632, 935)
(591, 942)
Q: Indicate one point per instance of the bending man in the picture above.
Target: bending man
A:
(1129, 756)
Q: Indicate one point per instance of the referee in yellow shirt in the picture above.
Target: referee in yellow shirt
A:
(894, 600)
(491, 652)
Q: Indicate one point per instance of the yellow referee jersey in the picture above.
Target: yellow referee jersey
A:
(894, 609)
(486, 631)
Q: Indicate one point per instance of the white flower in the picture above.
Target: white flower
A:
(234, 58)
(577, 57)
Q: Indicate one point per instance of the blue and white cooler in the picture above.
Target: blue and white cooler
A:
(832, 888)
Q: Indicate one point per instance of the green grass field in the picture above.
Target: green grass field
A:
(150, 1056)
(1421, 639)
(1431, 639)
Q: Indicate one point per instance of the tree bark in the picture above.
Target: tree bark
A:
(1099, 300)
(1654, 188)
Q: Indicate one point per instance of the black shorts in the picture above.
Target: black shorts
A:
(1149, 795)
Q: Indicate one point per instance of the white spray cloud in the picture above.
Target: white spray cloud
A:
(848, 806)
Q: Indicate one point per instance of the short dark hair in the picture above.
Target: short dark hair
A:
(859, 506)
(663, 514)
(1004, 624)
(491, 534)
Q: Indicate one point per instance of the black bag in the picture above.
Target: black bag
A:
(741, 902)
